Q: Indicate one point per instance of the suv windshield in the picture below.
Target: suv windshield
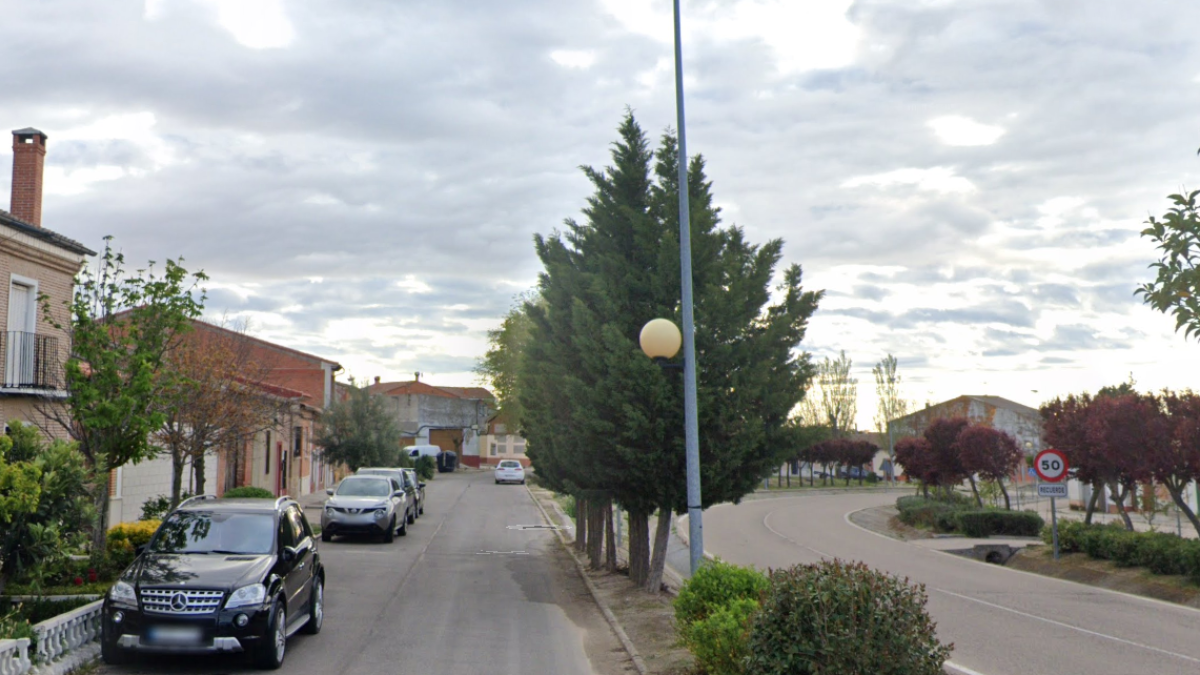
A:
(364, 487)
(208, 532)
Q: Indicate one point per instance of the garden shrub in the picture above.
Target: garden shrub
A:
(927, 514)
(426, 467)
(843, 618)
(988, 522)
(713, 586)
(124, 538)
(1159, 552)
(248, 492)
(720, 641)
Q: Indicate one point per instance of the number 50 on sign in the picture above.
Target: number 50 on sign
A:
(1050, 465)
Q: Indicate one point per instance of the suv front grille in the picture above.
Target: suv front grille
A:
(172, 601)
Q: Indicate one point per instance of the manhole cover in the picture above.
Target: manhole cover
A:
(532, 527)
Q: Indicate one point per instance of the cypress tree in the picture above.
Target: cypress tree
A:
(601, 418)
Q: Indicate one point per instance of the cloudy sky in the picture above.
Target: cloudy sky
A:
(362, 180)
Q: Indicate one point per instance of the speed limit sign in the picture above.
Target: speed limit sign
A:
(1050, 465)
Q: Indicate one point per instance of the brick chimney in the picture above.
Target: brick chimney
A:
(29, 156)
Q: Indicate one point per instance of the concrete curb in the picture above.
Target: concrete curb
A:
(608, 615)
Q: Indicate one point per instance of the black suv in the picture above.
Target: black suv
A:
(219, 575)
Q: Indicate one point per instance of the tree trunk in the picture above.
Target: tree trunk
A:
(177, 462)
(595, 543)
(1004, 491)
(581, 523)
(100, 500)
(1119, 494)
(975, 491)
(610, 539)
(198, 473)
(1097, 488)
(1181, 504)
(812, 473)
(657, 563)
(639, 546)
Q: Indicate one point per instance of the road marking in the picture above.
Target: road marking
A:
(1067, 625)
(501, 553)
(961, 669)
(784, 537)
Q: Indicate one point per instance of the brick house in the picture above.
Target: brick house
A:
(1021, 422)
(451, 418)
(281, 458)
(35, 263)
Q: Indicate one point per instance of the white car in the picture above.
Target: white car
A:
(510, 471)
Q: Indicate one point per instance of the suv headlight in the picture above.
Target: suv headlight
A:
(123, 592)
(254, 594)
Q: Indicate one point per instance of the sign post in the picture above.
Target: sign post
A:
(1051, 467)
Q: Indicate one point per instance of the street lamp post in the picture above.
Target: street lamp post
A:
(660, 340)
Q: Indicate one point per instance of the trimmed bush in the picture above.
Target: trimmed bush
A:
(1159, 552)
(713, 586)
(927, 514)
(988, 522)
(844, 618)
(720, 641)
(248, 492)
(426, 467)
(124, 538)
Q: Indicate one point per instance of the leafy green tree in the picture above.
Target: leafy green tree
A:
(499, 365)
(359, 431)
(601, 418)
(43, 500)
(122, 328)
(891, 406)
(1174, 289)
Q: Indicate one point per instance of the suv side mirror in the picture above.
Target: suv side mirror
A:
(398, 493)
(289, 553)
(421, 485)
(329, 491)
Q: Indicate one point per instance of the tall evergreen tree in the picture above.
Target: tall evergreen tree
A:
(601, 418)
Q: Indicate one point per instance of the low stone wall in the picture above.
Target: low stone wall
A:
(64, 643)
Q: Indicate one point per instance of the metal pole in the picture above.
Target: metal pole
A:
(1054, 526)
(691, 425)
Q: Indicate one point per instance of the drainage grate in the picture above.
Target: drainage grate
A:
(532, 527)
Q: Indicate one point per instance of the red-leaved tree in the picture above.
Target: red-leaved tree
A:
(1123, 431)
(988, 453)
(913, 454)
(1176, 462)
(1064, 428)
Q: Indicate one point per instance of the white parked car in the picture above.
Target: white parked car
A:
(510, 471)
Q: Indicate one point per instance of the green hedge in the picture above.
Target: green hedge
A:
(987, 522)
(1159, 552)
(964, 517)
(248, 492)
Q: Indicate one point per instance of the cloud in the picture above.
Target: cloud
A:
(964, 131)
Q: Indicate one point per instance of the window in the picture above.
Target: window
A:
(287, 532)
(502, 438)
(494, 451)
(267, 455)
(297, 441)
(519, 446)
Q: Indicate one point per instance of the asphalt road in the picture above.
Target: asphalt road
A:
(1001, 621)
(465, 593)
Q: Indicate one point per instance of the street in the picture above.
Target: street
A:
(1001, 621)
(466, 592)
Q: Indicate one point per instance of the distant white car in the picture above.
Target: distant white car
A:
(510, 471)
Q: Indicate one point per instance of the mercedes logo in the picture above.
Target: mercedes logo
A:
(179, 602)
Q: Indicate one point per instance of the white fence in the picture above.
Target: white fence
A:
(64, 642)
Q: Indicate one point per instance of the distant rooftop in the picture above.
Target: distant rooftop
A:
(42, 233)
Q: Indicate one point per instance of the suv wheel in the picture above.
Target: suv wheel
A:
(412, 516)
(110, 652)
(390, 534)
(404, 525)
(274, 644)
(316, 608)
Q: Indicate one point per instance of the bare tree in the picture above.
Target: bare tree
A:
(218, 396)
(836, 405)
(891, 405)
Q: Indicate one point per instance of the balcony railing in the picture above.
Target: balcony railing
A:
(31, 361)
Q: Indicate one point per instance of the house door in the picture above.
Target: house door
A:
(19, 351)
